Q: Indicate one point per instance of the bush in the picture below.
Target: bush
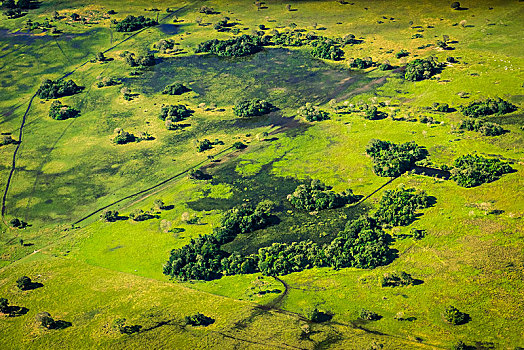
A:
(453, 316)
(385, 66)
(373, 113)
(207, 10)
(284, 258)
(45, 320)
(4, 305)
(198, 320)
(164, 45)
(361, 63)
(328, 50)
(6, 140)
(204, 145)
(175, 113)
(58, 111)
(473, 170)
(241, 46)
(312, 113)
(109, 216)
(24, 283)
(392, 160)
(488, 107)
(108, 82)
(139, 215)
(402, 53)
(197, 174)
(421, 69)
(132, 23)
(455, 5)
(57, 88)
(175, 89)
(397, 207)
(252, 108)
(239, 145)
(120, 325)
(395, 279)
(441, 107)
(485, 128)
(369, 315)
(123, 137)
(317, 196)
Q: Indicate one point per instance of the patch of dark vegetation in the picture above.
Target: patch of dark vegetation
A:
(455, 317)
(208, 10)
(473, 170)
(7, 140)
(441, 107)
(317, 196)
(369, 315)
(481, 126)
(164, 45)
(240, 46)
(205, 144)
(58, 111)
(175, 89)
(132, 23)
(121, 326)
(319, 316)
(397, 279)
(197, 174)
(140, 215)
(361, 63)
(372, 113)
(145, 60)
(110, 216)
(421, 69)
(488, 107)
(123, 137)
(402, 53)
(390, 159)
(50, 89)
(17, 223)
(252, 108)
(239, 145)
(198, 320)
(25, 283)
(398, 207)
(312, 113)
(11, 310)
(175, 113)
(328, 50)
(46, 321)
(107, 81)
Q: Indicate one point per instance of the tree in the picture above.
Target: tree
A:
(473, 170)
(58, 111)
(109, 216)
(317, 196)
(198, 320)
(252, 108)
(453, 316)
(175, 113)
(4, 305)
(132, 23)
(204, 145)
(369, 315)
(159, 204)
(6, 140)
(329, 50)
(455, 5)
(175, 89)
(288, 7)
(396, 279)
(45, 320)
(100, 57)
(24, 283)
(312, 113)
(57, 88)
(239, 145)
(421, 69)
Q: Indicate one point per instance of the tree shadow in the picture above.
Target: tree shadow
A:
(417, 282)
(15, 311)
(60, 324)
(34, 285)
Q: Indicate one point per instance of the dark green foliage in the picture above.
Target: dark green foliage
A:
(24, 283)
(397, 207)
(417, 36)
(488, 107)
(441, 107)
(455, 5)
(318, 316)
(243, 219)
(164, 45)
(120, 325)
(207, 10)
(198, 260)
(123, 137)
(283, 258)
(175, 89)
(45, 320)
(57, 88)
(108, 82)
(317, 196)
(58, 111)
(237, 264)
(252, 108)
(109, 216)
(132, 23)
(473, 170)
(197, 174)
(312, 113)
(442, 44)
(328, 50)
(418, 234)
(453, 316)
(385, 66)
(241, 46)
(239, 145)
(361, 63)
(13, 13)
(362, 244)
(372, 113)
(369, 315)
(390, 159)
(204, 145)
(4, 305)
(175, 113)
(485, 128)
(198, 320)
(402, 53)
(145, 60)
(395, 279)
(140, 215)
(421, 69)
(16, 223)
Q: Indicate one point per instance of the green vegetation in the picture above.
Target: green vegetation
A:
(395, 279)
(488, 107)
(421, 69)
(485, 128)
(474, 170)
(390, 159)
(175, 89)
(398, 207)
(369, 315)
(252, 108)
(132, 23)
(58, 111)
(241, 46)
(57, 88)
(453, 316)
(198, 320)
(312, 113)
(362, 63)
(175, 113)
(318, 196)
(441, 107)
(328, 50)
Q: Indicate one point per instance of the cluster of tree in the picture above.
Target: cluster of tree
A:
(328, 50)
(164, 45)
(312, 113)
(14, 9)
(240, 46)
(398, 207)
(372, 113)
(144, 60)
(239, 145)
(396, 279)
(361, 63)
(390, 159)
(6, 140)
(318, 196)
(298, 38)
(57, 88)
(204, 145)
(473, 170)
(385, 66)
(17, 223)
(132, 23)
(421, 69)
(4, 305)
(24, 283)
(207, 10)
(109, 216)
(441, 107)
(252, 108)
(123, 137)
(58, 111)
(175, 113)
(485, 128)
(453, 316)
(175, 89)
(402, 53)
(108, 82)
(369, 315)
(198, 320)
(140, 215)
(488, 107)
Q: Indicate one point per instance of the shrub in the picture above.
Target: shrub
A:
(108, 82)
(455, 5)
(175, 89)
(198, 320)
(252, 108)
(175, 113)
(385, 66)
(4, 305)
(373, 113)
(109, 216)
(361, 63)
(24, 283)
(485, 128)
(402, 53)
(284, 258)
(204, 145)
(395, 279)
(318, 316)
(453, 316)
(120, 325)
(57, 88)
(369, 315)
(132, 23)
(441, 107)
(207, 10)
(392, 160)
(317, 196)
(312, 113)
(123, 137)
(197, 174)
(328, 50)
(460, 345)
(164, 45)
(45, 320)
(488, 107)
(58, 111)
(473, 170)
(6, 140)
(139, 215)
(239, 145)
(421, 69)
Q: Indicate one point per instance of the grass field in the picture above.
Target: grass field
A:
(95, 272)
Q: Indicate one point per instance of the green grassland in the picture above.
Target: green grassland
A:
(95, 272)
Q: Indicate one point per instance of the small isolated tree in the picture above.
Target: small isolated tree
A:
(288, 7)
(45, 320)
(6, 140)
(455, 5)
(369, 315)
(198, 320)
(100, 57)
(109, 215)
(4, 305)
(23, 283)
(453, 316)
(159, 204)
